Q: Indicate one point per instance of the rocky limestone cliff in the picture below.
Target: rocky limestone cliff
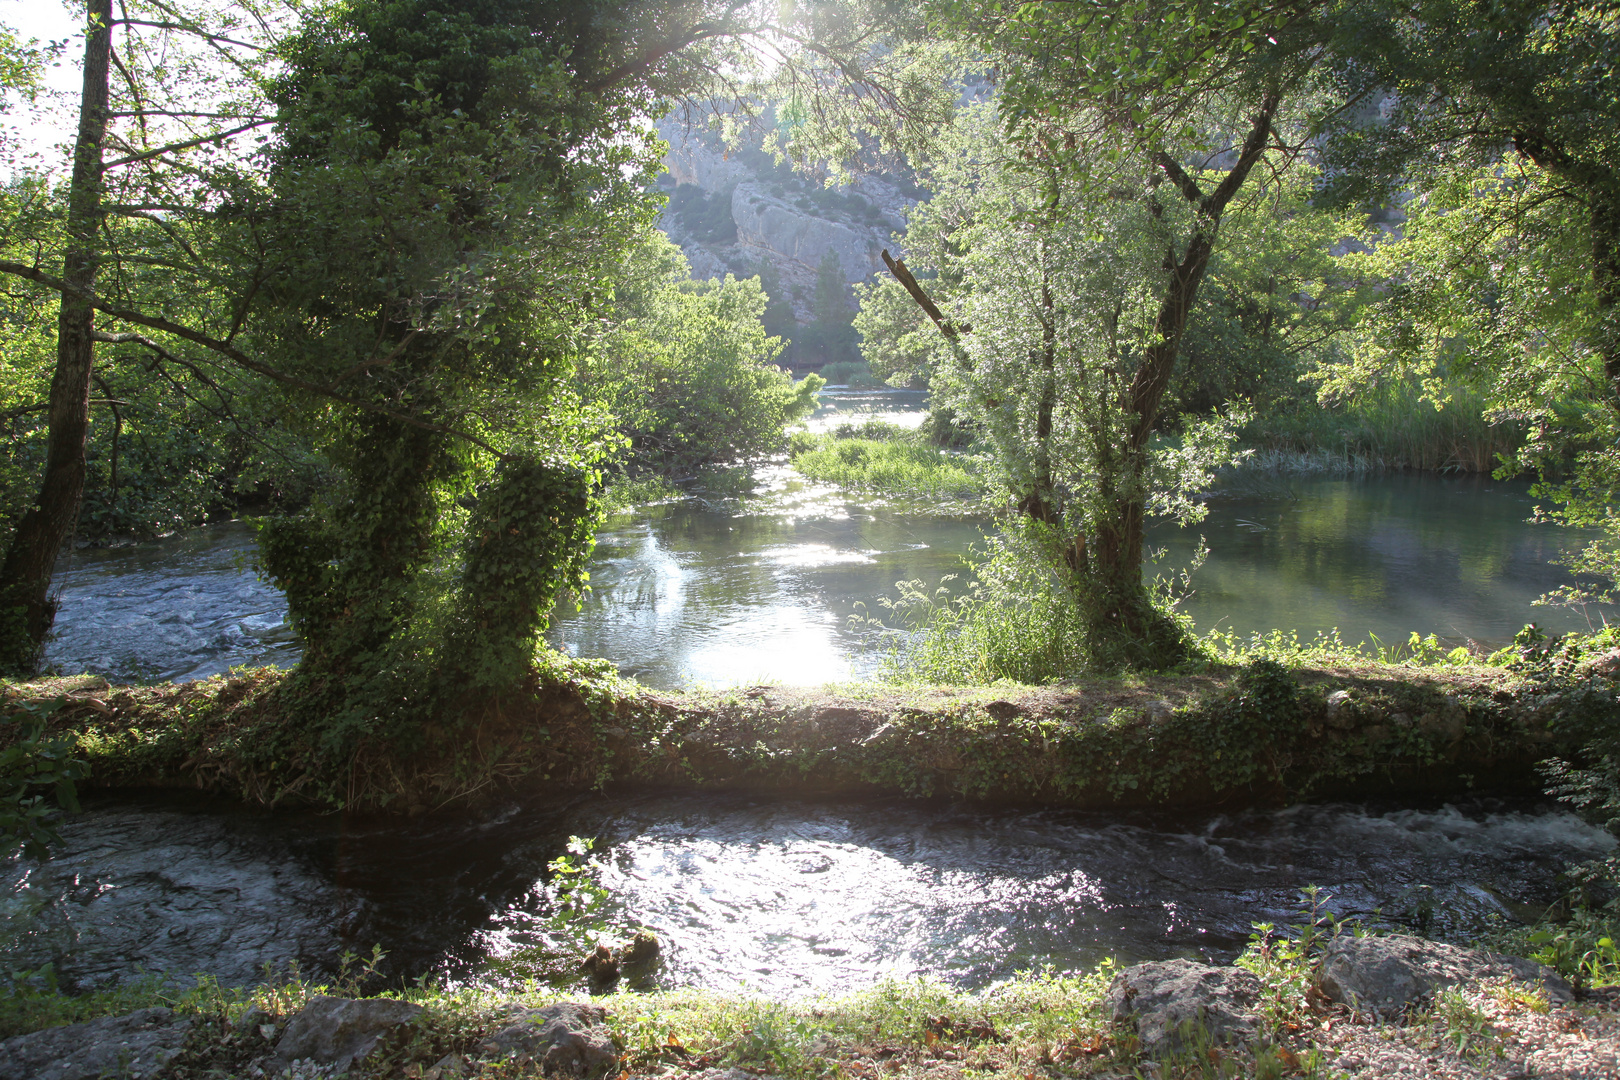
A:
(731, 212)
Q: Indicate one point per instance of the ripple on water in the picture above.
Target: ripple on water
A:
(789, 897)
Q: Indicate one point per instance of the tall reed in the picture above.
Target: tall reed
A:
(1390, 428)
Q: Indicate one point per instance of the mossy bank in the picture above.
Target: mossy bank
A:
(1258, 734)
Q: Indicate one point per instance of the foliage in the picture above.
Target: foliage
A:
(830, 337)
(1508, 267)
(37, 778)
(1274, 305)
(1011, 623)
(453, 191)
(1061, 295)
(901, 465)
(1288, 962)
(1582, 948)
(684, 368)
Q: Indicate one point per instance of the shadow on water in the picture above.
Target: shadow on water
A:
(787, 897)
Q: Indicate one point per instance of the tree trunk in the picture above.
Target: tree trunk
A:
(1126, 612)
(26, 609)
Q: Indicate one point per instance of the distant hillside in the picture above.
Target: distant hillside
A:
(745, 214)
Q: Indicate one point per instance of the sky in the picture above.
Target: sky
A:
(42, 128)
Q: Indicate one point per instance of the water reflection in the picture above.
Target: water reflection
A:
(728, 590)
(842, 405)
(1447, 555)
(689, 592)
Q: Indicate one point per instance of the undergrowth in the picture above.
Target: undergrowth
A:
(884, 458)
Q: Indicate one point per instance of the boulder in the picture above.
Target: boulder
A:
(136, 1045)
(1388, 974)
(644, 948)
(565, 1038)
(339, 1031)
(1167, 997)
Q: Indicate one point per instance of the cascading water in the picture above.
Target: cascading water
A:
(788, 897)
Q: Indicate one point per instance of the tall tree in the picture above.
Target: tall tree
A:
(155, 109)
(367, 256)
(1172, 108)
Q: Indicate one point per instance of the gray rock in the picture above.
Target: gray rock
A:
(339, 1031)
(1340, 709)
(764, 221)
(1388, 974)
(1162, 996)
(135, 1045)
(565, 1038)
(448, 1067)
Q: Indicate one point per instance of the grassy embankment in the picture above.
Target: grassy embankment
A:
(877, 456)
(1225, 734)
(1390, 429)
(1038, 1026)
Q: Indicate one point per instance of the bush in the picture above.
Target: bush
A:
(881, 461)
(37, 778)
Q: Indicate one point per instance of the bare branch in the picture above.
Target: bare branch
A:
(198, 31)
(218, 136)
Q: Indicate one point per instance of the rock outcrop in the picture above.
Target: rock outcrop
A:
(569, 1039)
(1167, 1000)
(1389, 974)
(788, 222)
(338, 1032)
(129, 1047)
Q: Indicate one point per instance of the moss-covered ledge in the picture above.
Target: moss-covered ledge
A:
(1263, 734)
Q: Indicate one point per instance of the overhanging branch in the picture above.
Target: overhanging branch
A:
(228, 351)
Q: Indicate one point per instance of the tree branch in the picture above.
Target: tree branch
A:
(218, 136)
(897, 267)
(235, 355)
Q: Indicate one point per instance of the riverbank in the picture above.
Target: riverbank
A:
(1331, 1005)
(1230, 736)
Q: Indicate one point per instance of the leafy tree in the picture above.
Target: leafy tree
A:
(147, 171)
(684, 370)
(830, 338)
(1052, 308)
(1162, 112)
(1502, 121)
(443, 187)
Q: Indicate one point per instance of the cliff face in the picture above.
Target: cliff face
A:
(731, 213)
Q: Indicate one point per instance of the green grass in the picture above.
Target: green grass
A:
(893, 462)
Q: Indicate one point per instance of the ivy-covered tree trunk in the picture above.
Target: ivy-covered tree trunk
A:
(26, 609)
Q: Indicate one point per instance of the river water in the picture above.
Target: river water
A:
(795, 897)
(740, 590)
(782, 896)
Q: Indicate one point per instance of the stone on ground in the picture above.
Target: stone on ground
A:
(1388, 974)
(566, 1038)
(124, 1047)
(339, 1031)
(1167, 999)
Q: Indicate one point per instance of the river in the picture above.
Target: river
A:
(795, 897)
(786, 897)
(727, 590)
